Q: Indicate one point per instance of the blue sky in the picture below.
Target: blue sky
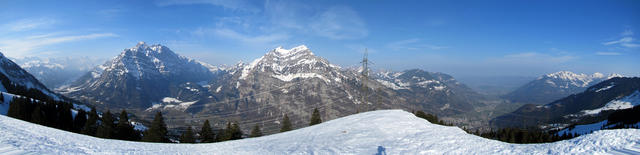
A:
(462, 38)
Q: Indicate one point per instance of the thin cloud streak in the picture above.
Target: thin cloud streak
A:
(26, 46)
(28, 24)
(608, 53)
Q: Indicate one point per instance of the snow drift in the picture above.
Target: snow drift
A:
(385, 131)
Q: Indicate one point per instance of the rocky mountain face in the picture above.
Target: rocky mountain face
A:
(146, 79)
(435, 93)
(15, 80)
(56, 72)
(551, 87)
(593, 104)
(138, 77)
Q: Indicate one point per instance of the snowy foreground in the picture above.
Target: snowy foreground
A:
(386, 131)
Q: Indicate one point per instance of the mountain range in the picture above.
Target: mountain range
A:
(553, 86)
(149, 78)
(593, 104)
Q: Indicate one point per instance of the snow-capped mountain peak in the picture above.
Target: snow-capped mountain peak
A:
(286, 52)
(578, 80)
(550, 87)
(147, 70)
(288, 64)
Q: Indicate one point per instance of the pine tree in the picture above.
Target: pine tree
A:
(206, 134)
(91, 126)
(65, 118)
(158, 130)
(286, 124)
(79, 121)
(255, 132)
(37, 115)
(315, 117)
(124, 130)
(236, 132)
(106, 128)
(187, 136)
(226, 133)
(14, 108)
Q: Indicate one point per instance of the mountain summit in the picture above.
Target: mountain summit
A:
(138, 77)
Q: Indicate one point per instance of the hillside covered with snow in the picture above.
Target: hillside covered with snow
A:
(385, 131)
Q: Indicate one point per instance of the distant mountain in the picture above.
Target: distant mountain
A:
(138, 77)
(436, 93)
(146, 79)
(594, 104)
(17, 81)
(293, 82)
(56, 72)
(550, 87)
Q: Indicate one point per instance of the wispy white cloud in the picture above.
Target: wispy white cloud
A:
(231, 34)
(413, 44)
(242, 5)
(340, 22)
(28, 24)
(608, 53)
(627, 41)
(27, 46)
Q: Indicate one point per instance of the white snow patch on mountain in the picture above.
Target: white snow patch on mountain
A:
(391, 85)
(290, 77)
(384, 132)
(624, 103)
(170, 103)
(439, 87)
(583, 129)
(606, 88)
(247, 69)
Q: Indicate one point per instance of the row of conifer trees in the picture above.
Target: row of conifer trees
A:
(59, 115)
(233, 131)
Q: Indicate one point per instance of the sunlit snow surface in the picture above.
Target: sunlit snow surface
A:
(389, 131)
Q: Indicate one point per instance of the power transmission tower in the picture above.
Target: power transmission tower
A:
(364, 78)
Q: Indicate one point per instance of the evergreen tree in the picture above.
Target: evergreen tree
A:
(236, 132)
(255, 132)
(315, 117)
(14, 108)
(91, 126)
(226, 133)
(106, 128)
(37, 115)
(286, 124)
(124, 130)
(206, 134)
(158, 130)
(79, 121)
(187, 136)
(65, 118)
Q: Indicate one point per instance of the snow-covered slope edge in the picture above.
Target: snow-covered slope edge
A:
(390, 131)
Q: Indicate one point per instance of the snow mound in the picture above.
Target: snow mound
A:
(385, 131)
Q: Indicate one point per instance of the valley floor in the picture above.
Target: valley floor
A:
(385, 131)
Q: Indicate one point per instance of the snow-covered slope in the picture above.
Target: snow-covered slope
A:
(387, 131)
